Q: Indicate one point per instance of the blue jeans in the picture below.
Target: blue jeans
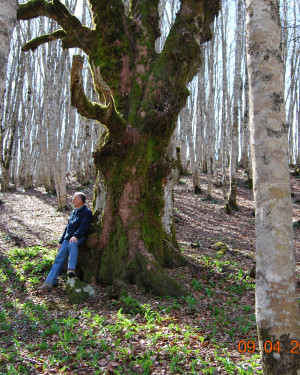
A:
(67, 249)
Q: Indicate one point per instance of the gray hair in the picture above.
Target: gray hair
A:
(82, 196)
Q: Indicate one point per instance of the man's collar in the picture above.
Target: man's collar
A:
(78, 209)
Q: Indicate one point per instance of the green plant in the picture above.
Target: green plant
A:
(55, 328)
(191, 302)
(197, 285)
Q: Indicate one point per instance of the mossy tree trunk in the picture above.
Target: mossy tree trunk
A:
(140, 95)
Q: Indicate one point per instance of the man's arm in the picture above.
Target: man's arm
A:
(62, 238)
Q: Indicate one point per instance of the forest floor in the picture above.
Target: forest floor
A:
(210, 332)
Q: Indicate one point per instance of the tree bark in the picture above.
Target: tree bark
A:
(140, 94)
(232, 204)
(277, 308)
(7, 22)
(226, 108)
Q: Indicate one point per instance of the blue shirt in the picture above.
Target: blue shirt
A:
(78, 225)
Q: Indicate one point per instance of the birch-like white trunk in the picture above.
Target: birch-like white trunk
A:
(182, 138)
(277, 307)
(7, 22)
(186, 120)
(8, 16)
(226, 107)
(210, 115)
(293, 72)
(232, 204)
(200, 109)
(244, 162)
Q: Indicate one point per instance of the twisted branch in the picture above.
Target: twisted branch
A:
(105, 112)
(76, 35)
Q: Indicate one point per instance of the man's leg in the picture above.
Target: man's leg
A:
(58, 264)
(73, 253)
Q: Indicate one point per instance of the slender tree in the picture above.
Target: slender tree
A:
(277, 308)
(7, 22)
(226, 107)
(232, 205)
(140, 95)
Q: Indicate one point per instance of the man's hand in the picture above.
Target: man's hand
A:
(59, 246)
(73, 239)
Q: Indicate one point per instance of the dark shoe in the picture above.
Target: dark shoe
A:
(47, 286)
(71, 273)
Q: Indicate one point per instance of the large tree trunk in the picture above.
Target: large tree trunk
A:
(134, 242)
(140, 94)
(277, 307)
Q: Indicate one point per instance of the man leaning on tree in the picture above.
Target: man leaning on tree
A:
(73, 236)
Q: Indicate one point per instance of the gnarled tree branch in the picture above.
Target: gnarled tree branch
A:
(57, 11)
(178, 63)
(105, 113)
(36, 42)
(144, 14)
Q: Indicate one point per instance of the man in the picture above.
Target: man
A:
(73, 236)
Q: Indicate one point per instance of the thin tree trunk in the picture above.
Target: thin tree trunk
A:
(226, 108)
(232, 204)
(7, 22)
(183, 141)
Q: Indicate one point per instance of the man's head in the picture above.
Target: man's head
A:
(79, 199)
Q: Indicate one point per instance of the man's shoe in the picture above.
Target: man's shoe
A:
(47, 286)
(71, 273)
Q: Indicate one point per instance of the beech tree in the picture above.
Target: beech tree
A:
(232, 205)
(277, 307)
(141, 93)
(7, 22)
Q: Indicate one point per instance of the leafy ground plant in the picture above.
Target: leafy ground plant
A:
(136, 335)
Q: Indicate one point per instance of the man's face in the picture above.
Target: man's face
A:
(77, 202)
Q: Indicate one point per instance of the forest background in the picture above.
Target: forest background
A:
(45, 139)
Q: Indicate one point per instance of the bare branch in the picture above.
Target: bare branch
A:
(105, 113)
(36, 42)
(102, 87)
(79, 100)
(77, 35)
(178, 63)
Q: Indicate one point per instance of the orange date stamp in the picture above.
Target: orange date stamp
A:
(268, 347)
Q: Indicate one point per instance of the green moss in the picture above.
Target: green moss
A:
(28, 10)
(78, 291)
(155, 279)
(220, 246)
(114, 258)
(135, 99)
(110, 46)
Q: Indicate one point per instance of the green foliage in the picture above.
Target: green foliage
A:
(62, 337)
